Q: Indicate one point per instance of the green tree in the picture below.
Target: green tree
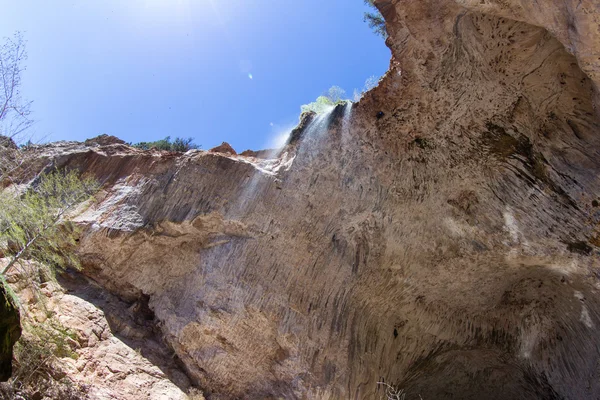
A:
(183, 145)
(336, 94)
(179, 144)
(333, 96)
(375, 20)
(322, 104)
(35, 225)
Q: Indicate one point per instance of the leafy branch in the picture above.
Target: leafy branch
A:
(34, 225)
(375, 20)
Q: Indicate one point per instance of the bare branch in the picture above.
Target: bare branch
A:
(14, 112)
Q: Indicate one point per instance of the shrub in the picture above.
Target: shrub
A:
(183, 145)
(35, 225)
(37, 364)
(334, 96)
(179, 144)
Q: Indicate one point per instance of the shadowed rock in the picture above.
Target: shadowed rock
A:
(10, 331)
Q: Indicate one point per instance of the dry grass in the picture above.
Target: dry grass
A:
(36, 365)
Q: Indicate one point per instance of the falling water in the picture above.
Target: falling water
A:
(319, 125)
(310, 144)
(281, 158)
(346, 124)
(257, 182)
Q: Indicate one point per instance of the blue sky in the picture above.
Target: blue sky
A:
(145, 69)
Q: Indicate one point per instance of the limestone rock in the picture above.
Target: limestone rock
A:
(576, 24)
(111, 349)
(268, 153)
(224, 148)
(103, 140)
(440, 235)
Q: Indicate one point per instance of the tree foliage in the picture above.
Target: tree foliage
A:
(370, 83)
(375, 20)
(35, 224)
(179, 144)
(333, 96)
(336, 94)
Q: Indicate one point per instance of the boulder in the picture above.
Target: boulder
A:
(223, 148)
(103, 140)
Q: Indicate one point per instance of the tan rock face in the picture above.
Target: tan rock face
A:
(440, 235)
(103, 140)
(110, 348)
(576, 24)
(224, 148)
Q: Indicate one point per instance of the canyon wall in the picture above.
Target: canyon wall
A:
(440, 235)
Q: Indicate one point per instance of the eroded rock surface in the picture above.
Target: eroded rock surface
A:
(441, 235)
(103, 140)
(100, 346)
(224, 148)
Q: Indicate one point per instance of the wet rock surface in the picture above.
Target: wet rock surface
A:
(440, 235)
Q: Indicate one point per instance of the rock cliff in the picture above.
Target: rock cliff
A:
(441, 235)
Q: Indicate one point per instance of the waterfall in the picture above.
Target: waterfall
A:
(319, 125)
(346, 124)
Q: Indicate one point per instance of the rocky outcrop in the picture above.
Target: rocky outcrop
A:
(266, 154)
(81, 342)
(10, 331)
(103, 140)
(440, 235)
(224, 148)
(7, 142)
